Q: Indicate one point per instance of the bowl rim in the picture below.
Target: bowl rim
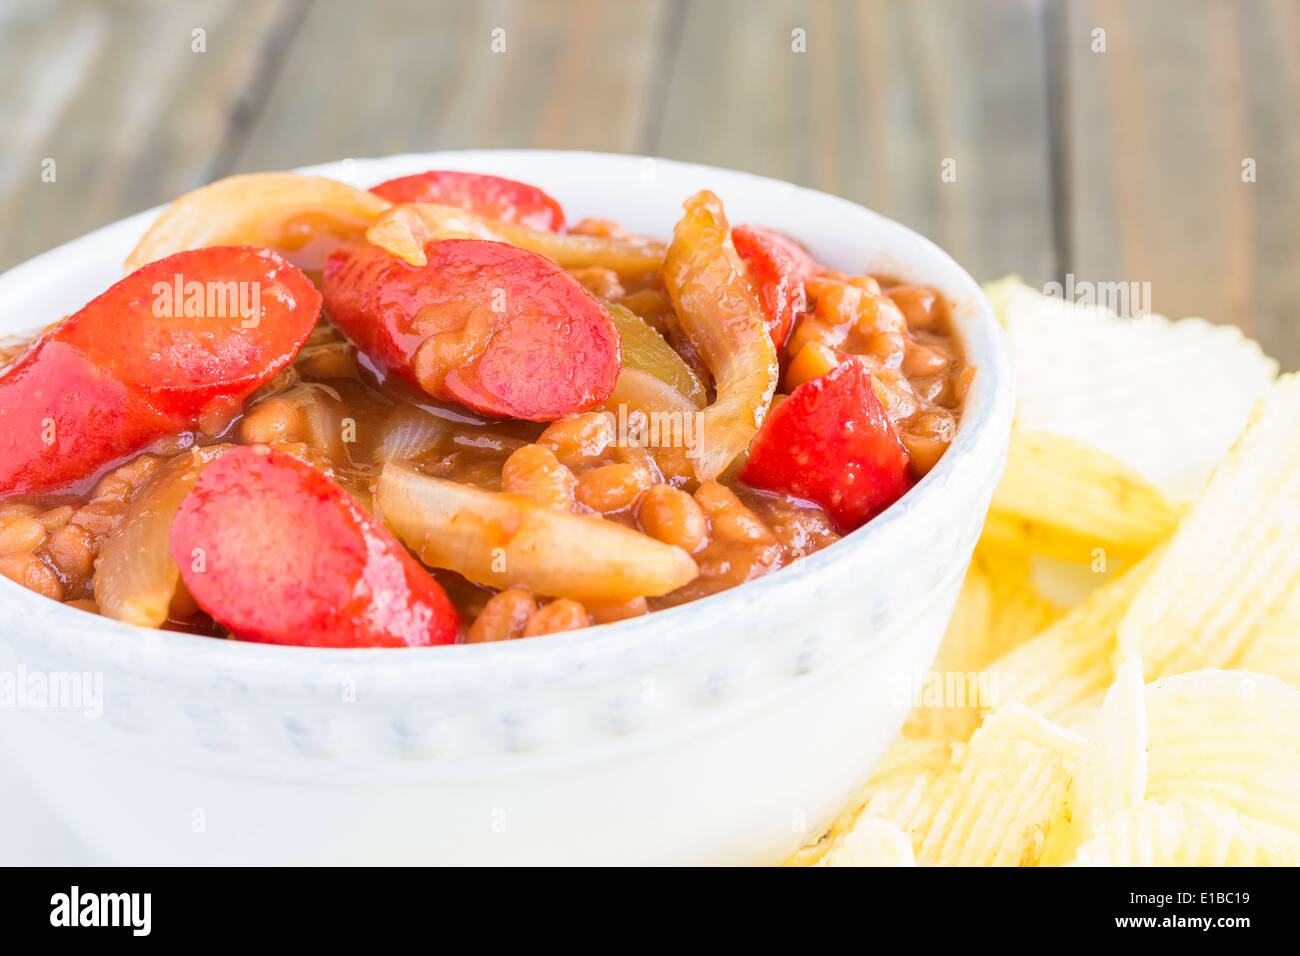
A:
(984, 423)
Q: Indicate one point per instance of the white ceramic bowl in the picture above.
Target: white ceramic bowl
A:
(726, 731)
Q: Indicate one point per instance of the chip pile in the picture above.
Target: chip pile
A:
(1120, 682)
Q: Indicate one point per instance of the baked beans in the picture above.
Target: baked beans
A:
(348, 415)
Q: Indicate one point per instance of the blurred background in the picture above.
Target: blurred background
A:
(1111, 140)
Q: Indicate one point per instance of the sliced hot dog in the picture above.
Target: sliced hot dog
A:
(494, 327)
(166, 349)
(280, 554)
(63, 419)
(490, 196)
(176, 329)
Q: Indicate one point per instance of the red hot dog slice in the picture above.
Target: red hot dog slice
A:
(165, 349)
(494, 327)
(200, 326)
(63, 419)
(490, 196)
(280, 554)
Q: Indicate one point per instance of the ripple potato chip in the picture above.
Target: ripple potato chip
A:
(1112, 775)
(1276, 651)
(998, 609)
(1071, 663)
(992, 805)
(1167, 398)
(1234, 564)
(1124, 449)
(965, 648)
(873, 842)
(907, 758)
(1232, 737)
(906, 767)
(1081, 499)
(1178, 834)
(1020, 608)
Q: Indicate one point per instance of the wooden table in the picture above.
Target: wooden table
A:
(1111, 156)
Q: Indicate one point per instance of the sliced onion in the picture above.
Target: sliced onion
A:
(405, 229)
(502, 540)
(302, 217)
(640, 392)
(646, 350)
(410, 433)
(136, 579)
(631, 259)
(722, 318)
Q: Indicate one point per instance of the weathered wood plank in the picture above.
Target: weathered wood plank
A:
(883, 95)
(1160, 124)
(372, 79)
(1273, 115)
(117, 97)
(1150, 134)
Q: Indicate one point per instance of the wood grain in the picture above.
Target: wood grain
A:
(1120, 165)
(883, 95)
(118, 99)
(1160, 123)
(379, 78)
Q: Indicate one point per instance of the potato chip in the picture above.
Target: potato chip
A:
(998, 609)
(967, 639)
(1275, 650)
(898, 801)
(1081, 499)
(1114, 768)
(1020, 609)
(1066, 584)
(1202, 740)
(965, 648)
(909, 759)
(1231, 737)
(1112, 774)
(873, 842)
(1007, 532)
(1234, 564)
(994, 801)
(1077, 761)
(1166, 398)
(1199, 833)
(1070, 664)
